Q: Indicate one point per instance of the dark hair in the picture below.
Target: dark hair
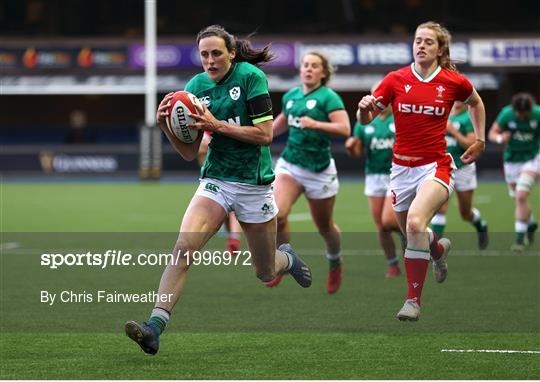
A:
(328, 68)
(522, 102)
(244, 50)
(443, 39)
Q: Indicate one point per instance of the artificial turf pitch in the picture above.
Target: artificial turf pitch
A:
(228, 326)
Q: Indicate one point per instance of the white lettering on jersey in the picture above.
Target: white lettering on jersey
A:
(233, 121)
(523, 137)
(381, 143)
(293, 121)
(421, 109)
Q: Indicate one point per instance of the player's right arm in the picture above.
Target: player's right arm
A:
(498, 133)
(368, 109)
(188, 151)
(280, 125)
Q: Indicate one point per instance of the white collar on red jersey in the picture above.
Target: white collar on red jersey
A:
(428, 78)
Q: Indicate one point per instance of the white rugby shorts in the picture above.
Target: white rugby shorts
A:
(377, 185)
(406, 178)
(317, 185)
(251, 203)
(465, 178)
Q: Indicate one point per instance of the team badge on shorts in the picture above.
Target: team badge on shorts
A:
(267, 209)
(394, 197)
(235, 93)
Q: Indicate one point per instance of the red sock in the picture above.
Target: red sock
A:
(416, 270)
(435, 248)
(233, 244)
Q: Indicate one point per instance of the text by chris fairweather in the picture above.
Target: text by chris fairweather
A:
(101, 296)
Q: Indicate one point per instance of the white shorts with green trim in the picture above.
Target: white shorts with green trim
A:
(377, 185)
(465, 177)
(317, 185)
(251, 203)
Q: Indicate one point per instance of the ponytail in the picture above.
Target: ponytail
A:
(244, 50)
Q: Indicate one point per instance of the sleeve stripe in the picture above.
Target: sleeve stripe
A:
(468, 98)
(262, 119)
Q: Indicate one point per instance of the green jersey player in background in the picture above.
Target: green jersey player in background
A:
(517, 126)
(312, 113)
(459, 136)
(237, 175)
(375, 140)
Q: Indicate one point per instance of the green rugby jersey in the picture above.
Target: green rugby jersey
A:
(524, 143)
(308, 148)
(229, 159)
(377, 138)
(463, 123)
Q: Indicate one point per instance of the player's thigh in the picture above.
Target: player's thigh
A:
(430, 197)
(465, 199)
(201, 221)
(389, 219)
(261, 240)
(376, 205)
(286, 192)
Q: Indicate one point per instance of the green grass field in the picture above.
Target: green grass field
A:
(227, 325)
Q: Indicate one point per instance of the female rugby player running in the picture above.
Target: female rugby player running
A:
(237, 175)
(421, 179)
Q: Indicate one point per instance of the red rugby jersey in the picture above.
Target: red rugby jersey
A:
(421, 108)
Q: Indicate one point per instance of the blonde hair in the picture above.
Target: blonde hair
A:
(443, 39)
(328, 69)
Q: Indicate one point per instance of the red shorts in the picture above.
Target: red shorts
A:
(406, 177)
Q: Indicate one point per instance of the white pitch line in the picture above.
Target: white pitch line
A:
(9, 245)
(300, 217)
(489, 351)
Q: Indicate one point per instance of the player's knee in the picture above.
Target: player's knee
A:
(524, 184)
(521, 196)
(282, 216)
(415, 224)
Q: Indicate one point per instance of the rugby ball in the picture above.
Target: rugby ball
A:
(182, 104)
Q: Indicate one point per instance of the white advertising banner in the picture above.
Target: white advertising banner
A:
(505, 52)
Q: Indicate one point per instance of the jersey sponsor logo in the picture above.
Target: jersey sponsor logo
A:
(235, 93)
(289, 104)
(407, 88)
(293, 121)
(310, 104)
(440, 89)
(211, 187)
(233, 121)
(523, 137)
(421, 109)
(381, 143)
(205, 100)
